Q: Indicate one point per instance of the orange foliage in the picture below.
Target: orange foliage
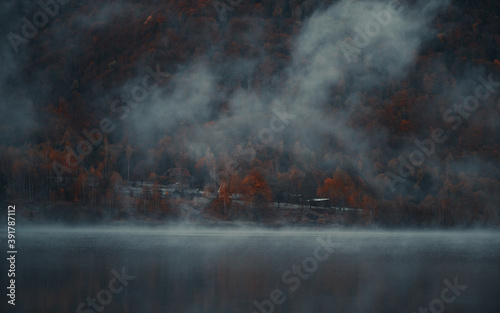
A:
(255, 189)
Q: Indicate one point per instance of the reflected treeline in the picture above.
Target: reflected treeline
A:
(227, 273)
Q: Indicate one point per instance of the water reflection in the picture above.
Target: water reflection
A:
(189, 270)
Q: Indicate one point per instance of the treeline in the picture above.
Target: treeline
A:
(459, 185)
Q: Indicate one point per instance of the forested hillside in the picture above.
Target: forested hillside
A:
(264, 99)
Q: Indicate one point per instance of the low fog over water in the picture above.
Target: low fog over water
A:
(184, 269)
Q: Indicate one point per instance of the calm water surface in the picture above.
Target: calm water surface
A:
(226, 270)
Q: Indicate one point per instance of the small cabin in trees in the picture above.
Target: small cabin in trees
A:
(319, 202)
(179, 176)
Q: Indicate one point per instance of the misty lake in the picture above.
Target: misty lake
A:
(144, 270)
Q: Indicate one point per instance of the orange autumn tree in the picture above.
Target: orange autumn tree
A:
(222, 204)
(338, 188)
(255, 190)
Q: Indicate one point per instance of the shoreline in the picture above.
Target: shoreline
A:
(274, 217)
